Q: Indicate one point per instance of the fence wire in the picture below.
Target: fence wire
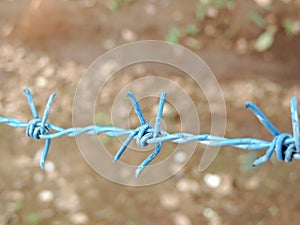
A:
(286, 146)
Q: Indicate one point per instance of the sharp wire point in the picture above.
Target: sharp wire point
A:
(285, 146)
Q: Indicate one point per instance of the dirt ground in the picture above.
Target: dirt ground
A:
(47, 45)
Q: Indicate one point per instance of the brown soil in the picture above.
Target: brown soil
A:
(55, 41)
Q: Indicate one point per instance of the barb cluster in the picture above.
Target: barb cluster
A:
(286, 146)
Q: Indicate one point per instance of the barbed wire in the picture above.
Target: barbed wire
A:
(285, 145)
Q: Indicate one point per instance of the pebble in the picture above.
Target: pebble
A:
(37, 156)
(46, 196)
(43, 61)
(193, 43)
(139, 69)
(88, 3)
(108, 44)
(212, 216)
(150, 9)
(48, 71)
(252, 183)
(263, 3)
(181, 219)
(273, 210)
(296, 27)
(180, 157)
(38, 177)
(169, 200)
(226, 186)
(209, 213)
(212, 12)
(79, 218)
(188, 185)
(212, 180)
(109, 67)
(49, 166)
(41, 82)
(128, 35)
(242, 46)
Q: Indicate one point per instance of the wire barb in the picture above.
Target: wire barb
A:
(286, 146)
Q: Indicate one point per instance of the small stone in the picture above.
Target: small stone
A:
(108, 44)
(212, 180)
(263, 3)
(273, 210)
(79, 218)
(128, 35)
(212, 12)
(89, 3)
(45, 196)
(188, 185)
(38, 177)
(212, 216)
(296, 27)
(43, 61)
(252, 183)
(109, 67)
(242, 46)
(41, 82)
(37, 156)
(181, 219)
(180, 157)
(209, 213)
(139, 69)
(226, 186)
(193, 43)
(49, 166)
(169, 200)
(150, 9)
(48, 71)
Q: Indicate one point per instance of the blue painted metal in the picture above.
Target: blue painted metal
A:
(285, 146)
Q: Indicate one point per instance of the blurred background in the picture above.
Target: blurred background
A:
(253, 48)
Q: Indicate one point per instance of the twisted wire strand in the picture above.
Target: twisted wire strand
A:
(286, 146)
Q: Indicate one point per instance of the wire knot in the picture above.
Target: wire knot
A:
(284, 150)
(145, 132)
(286, 146)
(35, 128)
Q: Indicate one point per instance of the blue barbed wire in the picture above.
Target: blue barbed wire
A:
(285, 145)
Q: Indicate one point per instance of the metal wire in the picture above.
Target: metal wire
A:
(285, 146)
